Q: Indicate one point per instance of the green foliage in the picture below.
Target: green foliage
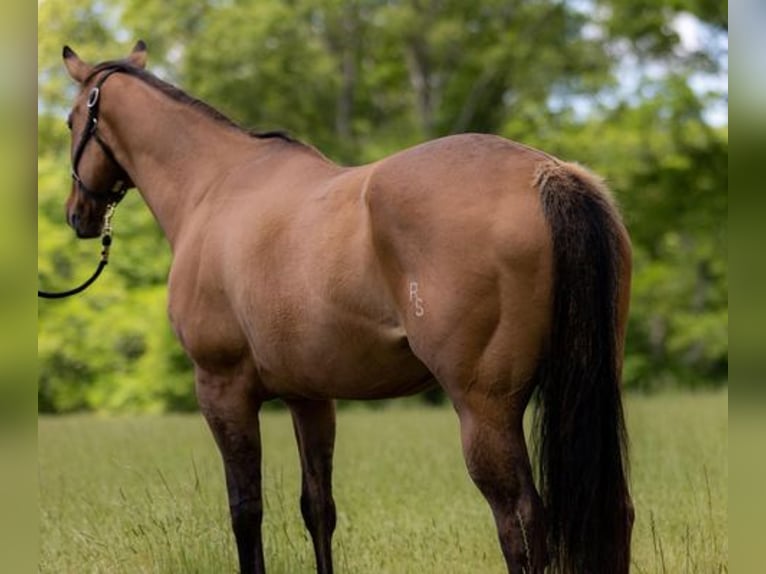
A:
(363, 78)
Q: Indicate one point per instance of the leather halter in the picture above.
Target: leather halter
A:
(111, 197)
(123, 183)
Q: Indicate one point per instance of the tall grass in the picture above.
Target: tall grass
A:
(146, 494)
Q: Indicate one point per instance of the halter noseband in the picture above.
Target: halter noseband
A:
(121, 186)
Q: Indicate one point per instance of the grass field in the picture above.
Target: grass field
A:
(146, 494)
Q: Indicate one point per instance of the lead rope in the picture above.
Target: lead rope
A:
(106, 244)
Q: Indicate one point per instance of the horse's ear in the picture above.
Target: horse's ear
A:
(75, 66)
(138, 55)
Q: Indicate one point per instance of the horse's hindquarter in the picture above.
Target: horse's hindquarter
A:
(459, 230)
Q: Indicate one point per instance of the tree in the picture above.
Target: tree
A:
(363, 78)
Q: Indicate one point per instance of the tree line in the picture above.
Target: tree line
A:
(613, 84)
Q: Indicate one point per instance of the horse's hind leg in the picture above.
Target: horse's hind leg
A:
(231, 412)
(486, 362)
(497, 460)
(314, 423)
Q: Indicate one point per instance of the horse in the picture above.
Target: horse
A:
(486, 267)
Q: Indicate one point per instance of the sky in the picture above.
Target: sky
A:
(632, 72)
(694, 36)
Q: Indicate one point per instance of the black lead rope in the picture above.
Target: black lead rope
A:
(106, 243)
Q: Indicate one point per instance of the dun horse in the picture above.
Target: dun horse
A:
(471, 262)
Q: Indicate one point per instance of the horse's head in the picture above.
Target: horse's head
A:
(98, 180)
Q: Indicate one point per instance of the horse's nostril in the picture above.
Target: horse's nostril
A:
(73, 219)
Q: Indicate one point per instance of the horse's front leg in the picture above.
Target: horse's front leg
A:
(231, 411)
(314, 423)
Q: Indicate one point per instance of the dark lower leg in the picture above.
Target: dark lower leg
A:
(246, 509)
(314, 423)
(233, 419)
(497, 460)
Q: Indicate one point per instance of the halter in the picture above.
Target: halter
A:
(121, 186)
(111, 197)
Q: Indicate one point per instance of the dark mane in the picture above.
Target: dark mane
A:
(184, 98)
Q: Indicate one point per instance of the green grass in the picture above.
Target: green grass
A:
(146, 494)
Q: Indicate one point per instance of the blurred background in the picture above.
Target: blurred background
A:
(637, 91)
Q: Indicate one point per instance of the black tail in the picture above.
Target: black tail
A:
(581, 438)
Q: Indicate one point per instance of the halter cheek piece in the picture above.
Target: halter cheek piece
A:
(123, 183)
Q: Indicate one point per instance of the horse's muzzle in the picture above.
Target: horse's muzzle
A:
(82, 227)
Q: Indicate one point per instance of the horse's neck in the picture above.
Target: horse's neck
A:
(172, 152)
